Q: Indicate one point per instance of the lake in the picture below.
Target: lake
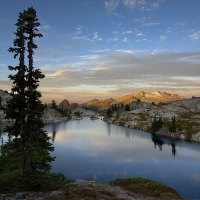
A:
(95, 149)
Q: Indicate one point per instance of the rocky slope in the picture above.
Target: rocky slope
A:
(142, 115)
(92, 190)
(4, 96)
(97, 104)
(155, 97)
(52, 116)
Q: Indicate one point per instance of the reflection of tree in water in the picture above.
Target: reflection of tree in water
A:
(54, 131)
(128, 133)
(173, 149)
(159, 142)
(108, 128)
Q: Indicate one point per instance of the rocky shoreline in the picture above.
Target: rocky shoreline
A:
(141, 116)
(93, 190)
(186, 114)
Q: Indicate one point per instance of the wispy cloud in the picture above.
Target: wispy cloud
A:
(150, 5)
(100, 51)
(147, 21)
(96, 37)
(144, 5)
(125, 35)
(78, 30)
(44, 26)
(127, 70)
(82, 37)
(130, 3)
(194, 35)
(122, 32)
(89, 57)
(79, 35)
(163, 37)
(111, 5)
(125, 39)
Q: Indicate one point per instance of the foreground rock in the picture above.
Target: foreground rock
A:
(92, 190)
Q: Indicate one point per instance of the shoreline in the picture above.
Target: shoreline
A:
(164, 136)
(119, 189)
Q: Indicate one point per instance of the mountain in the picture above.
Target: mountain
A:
(97, 104)
(153, 97)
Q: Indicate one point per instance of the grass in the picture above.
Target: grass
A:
(145, 187)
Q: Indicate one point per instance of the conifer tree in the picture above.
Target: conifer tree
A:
(173, 125)
(28, 149)
(127, 107)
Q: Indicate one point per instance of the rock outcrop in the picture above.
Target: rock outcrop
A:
(89, 189)
(52, 116)
(141, 116)
(64, 105)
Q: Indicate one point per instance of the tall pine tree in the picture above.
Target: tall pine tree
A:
(28, 149)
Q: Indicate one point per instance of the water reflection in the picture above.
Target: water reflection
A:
(54, 131)
(158, 141)
(93, 148)
(128, 133)
(173, 149)
(108, 128)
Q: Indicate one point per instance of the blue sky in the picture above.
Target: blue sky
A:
(108, 48)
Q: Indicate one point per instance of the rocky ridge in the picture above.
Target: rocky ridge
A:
(155, 97)
(141, 116)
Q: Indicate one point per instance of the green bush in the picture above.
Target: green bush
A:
(12, 181)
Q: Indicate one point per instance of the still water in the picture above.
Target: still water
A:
(95, 149)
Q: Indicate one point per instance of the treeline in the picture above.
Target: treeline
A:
(66, 112)
(172, 126)
(122, 107)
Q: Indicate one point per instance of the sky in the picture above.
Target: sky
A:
(109, 48)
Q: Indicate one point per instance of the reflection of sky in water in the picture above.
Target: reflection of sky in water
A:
(96, 149)
(93, 148)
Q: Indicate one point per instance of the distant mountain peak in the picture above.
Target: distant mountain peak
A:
(149, 97)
